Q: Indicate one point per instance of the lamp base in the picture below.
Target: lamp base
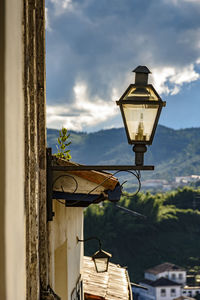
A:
(139, 150)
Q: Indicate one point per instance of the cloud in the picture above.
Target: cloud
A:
(61, 6)
(82, 112)
(47, 25)
(93, 47)
(179, 2)
(175, 76)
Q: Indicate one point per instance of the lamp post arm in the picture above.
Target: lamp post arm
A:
(90, 238)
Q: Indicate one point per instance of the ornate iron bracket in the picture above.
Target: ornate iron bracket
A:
(51, 168)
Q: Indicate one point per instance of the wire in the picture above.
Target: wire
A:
(67, 176)
(132, 212)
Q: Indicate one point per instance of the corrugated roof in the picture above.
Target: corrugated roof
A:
(111, 285)
(163, 268)
(160, 282)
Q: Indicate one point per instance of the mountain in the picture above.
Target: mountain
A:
(174, 152)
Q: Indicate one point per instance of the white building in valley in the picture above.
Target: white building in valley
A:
(165, 282)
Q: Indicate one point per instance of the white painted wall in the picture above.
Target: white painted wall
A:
(168, 295)
(145, 294)
(177, 276)
(155, 292)
(65, 253)
(150, 276)
(12, 139)
(190, 292)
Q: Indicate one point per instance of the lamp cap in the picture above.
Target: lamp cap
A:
(142, 69)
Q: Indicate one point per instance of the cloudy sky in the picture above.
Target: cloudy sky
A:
(93, 45)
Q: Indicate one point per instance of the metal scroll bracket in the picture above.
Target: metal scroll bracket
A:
(52, 168)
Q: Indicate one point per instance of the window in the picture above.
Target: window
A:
(163, 292)
(180, 276)
(173, 292)
(173, 276)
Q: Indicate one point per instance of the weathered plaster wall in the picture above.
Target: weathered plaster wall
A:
(35, 148)
(65, 253)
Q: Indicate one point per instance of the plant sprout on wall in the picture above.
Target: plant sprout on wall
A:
(63, 144)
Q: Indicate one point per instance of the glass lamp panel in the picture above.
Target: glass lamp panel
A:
(101, 264)
(143, 92)
(140, 119)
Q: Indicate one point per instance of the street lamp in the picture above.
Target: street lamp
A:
(101, 258)
(140, 107)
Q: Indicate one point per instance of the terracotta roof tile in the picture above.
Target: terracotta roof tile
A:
(161, 282)
(94, 176)
(163, 268)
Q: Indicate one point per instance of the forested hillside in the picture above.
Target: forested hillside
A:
(174, 152)
(170, 232)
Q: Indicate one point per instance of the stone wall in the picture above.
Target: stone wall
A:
(35, 148)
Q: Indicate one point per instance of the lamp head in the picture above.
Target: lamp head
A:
(101, 260)
(140, 107)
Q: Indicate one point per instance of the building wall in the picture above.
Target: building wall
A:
(65, 253)
(149, 276)
(2, 151)
(191, 292)
(177, 276)
(148, 294)
(22, 153)
(168, 295)
(35, 148)
(12, 213)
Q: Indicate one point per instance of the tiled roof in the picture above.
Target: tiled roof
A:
(190, 287)
(111, 285)
(160, 282)
(98, 177)
(80, 188)
(184, 298)
(163, 268)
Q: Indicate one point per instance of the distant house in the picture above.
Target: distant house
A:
(186, 179)
(154, 183)
(184, 298)
(165, 282)
(167, 270)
